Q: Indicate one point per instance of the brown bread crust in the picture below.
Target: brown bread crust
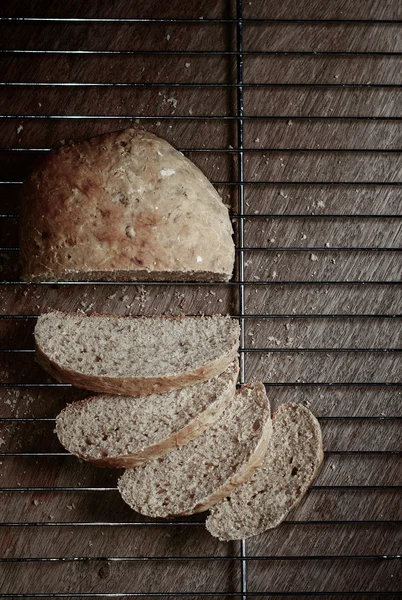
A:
(124, 205)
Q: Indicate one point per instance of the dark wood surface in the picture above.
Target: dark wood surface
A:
(331, 202)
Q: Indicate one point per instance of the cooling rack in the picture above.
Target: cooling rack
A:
(292, 110)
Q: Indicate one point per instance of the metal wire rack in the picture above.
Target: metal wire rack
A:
(344, 356)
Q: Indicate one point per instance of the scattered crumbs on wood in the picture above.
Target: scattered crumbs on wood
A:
(142, 297)
(274, 340)
(70, 506)
(282, 194)
(318, 204)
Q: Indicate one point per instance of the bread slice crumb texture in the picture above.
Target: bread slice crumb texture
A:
(135, 355)
(196, 476)
(122, 431)
(294, 455)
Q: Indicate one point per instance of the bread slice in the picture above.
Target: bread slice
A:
(196, 476)
(123, 206)
(134, 356)
(122, 431)
(294, 454)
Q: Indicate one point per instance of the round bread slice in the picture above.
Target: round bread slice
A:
(123, 431)
(135, 356)
(123, 206)
(193, 478)
(294, 455)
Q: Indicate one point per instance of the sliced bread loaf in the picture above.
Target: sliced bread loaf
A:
(134, 356)
(123, 206)
(294, 454)
(123, 431)
(193, 478)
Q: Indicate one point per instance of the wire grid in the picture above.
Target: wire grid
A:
(240, 284)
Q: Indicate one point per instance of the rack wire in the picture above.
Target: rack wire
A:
(372, 569)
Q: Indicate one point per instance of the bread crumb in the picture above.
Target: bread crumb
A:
(172, 101)
(187, 65)
(2, 441)
(168, 37)
(327, 244)
(35, 502)
(274, 275)
(303, 236)
(257, 140)
(20, 128)
(313, 257)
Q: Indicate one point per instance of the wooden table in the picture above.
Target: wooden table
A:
(322, 272)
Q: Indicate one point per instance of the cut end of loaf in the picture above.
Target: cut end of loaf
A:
(294, 455)
(193, 478)
(121, 275)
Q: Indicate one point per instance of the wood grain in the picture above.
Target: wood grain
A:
(301, 144)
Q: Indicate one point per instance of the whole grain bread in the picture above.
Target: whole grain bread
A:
(124, 431)
(193, 478)
(123, 206)
(134, 356)
(294, 455)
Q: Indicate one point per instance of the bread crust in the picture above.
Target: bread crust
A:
(123, 205)
(134, 386)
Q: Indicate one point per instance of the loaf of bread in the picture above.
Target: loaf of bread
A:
(193, 478)
(123, 206)
(134, 356)
(294, 455)
(124, 431)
